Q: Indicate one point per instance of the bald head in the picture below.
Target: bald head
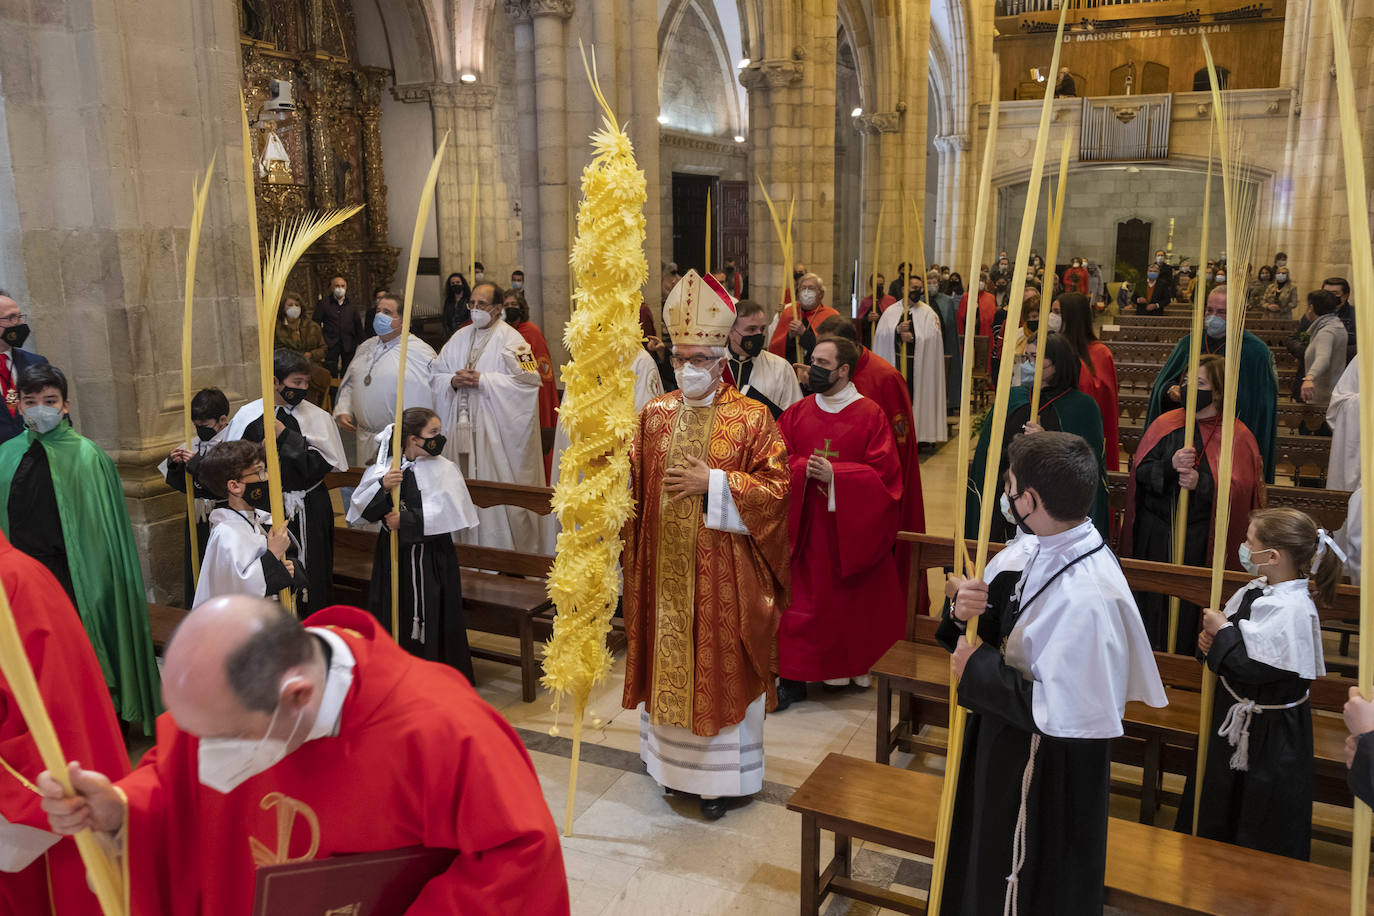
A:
(232, 661)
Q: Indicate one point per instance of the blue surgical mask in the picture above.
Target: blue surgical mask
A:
(1247, 559)
(1153, 274)
(1215, 325)
(1027, 372)
(381, 323)
(41, 418)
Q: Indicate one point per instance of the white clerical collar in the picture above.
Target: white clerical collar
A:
(834, 403)
(337, 681)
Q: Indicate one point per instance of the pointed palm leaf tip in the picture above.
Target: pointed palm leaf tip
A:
(592, 498)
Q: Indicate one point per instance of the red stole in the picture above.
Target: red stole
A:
(548, 390)
(1246, 484)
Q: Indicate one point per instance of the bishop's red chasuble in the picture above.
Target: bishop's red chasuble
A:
(420, 760)
(848, 606)
(878, 381)
(78, 701)
(701, 605)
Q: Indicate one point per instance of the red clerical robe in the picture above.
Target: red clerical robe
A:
(77, 700)
(848, 606)
(548, 388)
(420, 759)
(780, 344)
(877, 380)
(702, 605)
(1100, 383)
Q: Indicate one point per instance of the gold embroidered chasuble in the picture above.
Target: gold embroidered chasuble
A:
(701, 606)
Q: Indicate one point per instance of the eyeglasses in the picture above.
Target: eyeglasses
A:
(698, 362)
(11, 320)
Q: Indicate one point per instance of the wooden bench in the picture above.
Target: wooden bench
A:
(163, 620)
(1136, 405)
(1156, 352)
(1157, 740)
(1171, 332)
(504, 591)
(1148, 869)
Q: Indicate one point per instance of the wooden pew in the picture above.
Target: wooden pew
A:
(1157, 740)
(1304, 457)
(1183, 320)
(1291, 417)
(504, 591)
(1172, 332)
(1149, 870)
(1157, 353)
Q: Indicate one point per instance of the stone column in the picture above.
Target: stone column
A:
(882, 185)
(550, 69)
(528, 133)
(771, 87)
(949, 206)
(643, 128)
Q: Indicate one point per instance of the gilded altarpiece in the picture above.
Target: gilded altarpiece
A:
(332, 146)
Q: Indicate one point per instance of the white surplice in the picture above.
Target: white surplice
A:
(233, 555)
(444, 499)
(197, 448)
(1080, 640)
(1283, 630)
(774, 378)
(1343, 415)
(493, 429)
(927, 366)
(372, 404)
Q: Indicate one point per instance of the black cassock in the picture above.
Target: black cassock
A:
(304, 469)
(1157, 489)
(35, 522)
(176, 479)
(1268, 806)
(432, 624)
(1066, 809)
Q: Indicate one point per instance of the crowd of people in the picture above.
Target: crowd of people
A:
(775, 460)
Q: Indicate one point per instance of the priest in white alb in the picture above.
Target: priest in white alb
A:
(919, 329)
(1343, 416)
(367, 393)
(706, 564)
(757, 373)
(485, 383)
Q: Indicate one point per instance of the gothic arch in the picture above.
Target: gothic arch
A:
(413, 30)
(678, 14)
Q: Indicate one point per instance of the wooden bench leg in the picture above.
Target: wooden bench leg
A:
(842, 857)
(810, 866)
(1151, 779)
(527, 672)
(883, 753)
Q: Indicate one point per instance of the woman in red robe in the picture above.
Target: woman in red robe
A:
(517, 315)
(1098, 377)
(1152, 498)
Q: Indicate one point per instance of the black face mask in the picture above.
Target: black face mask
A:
(258, 495)
(751, 345)
(1020, 519)
(729, 271)
(797, 275)
(512, 316)
(206, 433)
(915, 295)
(1204, 398)
(1033, 326)
(434, 444)
(15, 336)
(820, 380)
(292, 396)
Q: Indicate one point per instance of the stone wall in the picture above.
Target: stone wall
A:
(111, 110)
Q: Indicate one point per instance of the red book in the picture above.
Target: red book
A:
(366, 884)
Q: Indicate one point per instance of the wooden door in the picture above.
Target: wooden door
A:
(689, 221)
(734, 227)
(1133, 244)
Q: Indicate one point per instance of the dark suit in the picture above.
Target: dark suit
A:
(13, 425)
(343, 331)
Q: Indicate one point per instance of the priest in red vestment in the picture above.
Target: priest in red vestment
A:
(848, 607)
(34, 860)
(517, 315)
(799, 327)
(706, 564)
(876, 380)
(290, 742)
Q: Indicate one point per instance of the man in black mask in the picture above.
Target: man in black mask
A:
(758, 374)
(14, 330)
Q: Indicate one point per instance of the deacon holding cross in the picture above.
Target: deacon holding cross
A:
(706, 564)
(848, 606)
(290, 742)
(1061, 655)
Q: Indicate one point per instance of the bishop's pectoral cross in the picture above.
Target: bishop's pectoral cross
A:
(825, 451)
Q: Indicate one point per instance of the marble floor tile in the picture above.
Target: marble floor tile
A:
(664, 894)
(592, 782)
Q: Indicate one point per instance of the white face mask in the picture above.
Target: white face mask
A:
(478, 277)
(480, 318)
(1056, 321)
(809, 297)
(695, 383)
(517, 284)
(340, 292)
(224, 764)
(293, 312)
